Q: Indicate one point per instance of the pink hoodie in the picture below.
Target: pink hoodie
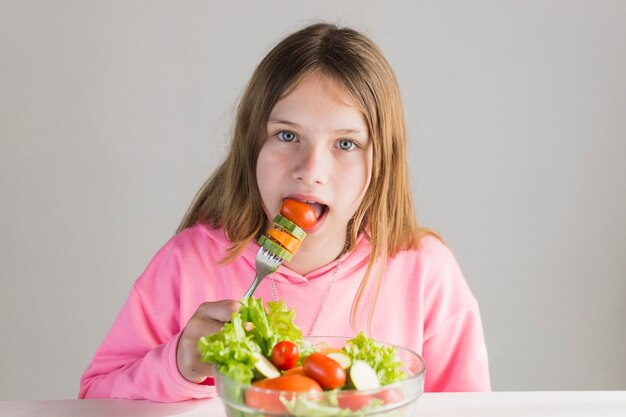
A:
(424, 304)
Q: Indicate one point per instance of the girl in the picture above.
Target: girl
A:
(321, 121)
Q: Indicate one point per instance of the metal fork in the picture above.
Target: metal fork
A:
(266, 263)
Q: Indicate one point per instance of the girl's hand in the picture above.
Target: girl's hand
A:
(208, 319)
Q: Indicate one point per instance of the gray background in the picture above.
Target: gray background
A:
(112, 113)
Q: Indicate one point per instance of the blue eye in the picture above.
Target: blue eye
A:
(286, 136)
(346, 145)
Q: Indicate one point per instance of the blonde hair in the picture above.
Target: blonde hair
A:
(230, 197)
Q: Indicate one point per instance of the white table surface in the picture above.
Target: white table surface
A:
(502, 404)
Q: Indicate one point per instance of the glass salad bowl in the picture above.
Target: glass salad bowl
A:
(398, 399)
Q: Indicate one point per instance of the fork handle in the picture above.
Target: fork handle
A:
(253, 286)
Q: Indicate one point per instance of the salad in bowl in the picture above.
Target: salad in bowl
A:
(265, 367)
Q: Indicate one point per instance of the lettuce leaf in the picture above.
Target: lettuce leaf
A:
(231, 349)
(380, 357)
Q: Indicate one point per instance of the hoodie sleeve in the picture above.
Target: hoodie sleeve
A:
(137, 359)
(454, 343)
(461, 354)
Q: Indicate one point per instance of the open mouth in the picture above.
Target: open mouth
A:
(319, 209)
(304, 211)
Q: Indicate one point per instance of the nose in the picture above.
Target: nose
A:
(312, 166)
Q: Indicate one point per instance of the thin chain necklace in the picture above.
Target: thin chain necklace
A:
(328, 291)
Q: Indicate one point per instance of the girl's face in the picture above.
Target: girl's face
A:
(317, 150)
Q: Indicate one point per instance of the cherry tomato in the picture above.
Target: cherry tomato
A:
(352, 401)
(326, 371)
(270, 401)
(285, 355)
(391, 395)
(299, 370)
(298, 212)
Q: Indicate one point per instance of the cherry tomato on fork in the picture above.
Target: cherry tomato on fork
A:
(298, 212)
(285, 355)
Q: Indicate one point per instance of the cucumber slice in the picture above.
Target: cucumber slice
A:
(363, 376)
(289, 226)
(265, 367)
(341, 358)
(275, 248)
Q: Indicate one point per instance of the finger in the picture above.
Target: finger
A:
(220, 310)
(199, 326)
(205, 370)
(193, 369)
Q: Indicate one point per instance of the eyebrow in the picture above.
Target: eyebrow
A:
(288, 123)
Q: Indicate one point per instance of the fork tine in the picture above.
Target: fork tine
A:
(266, 263)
